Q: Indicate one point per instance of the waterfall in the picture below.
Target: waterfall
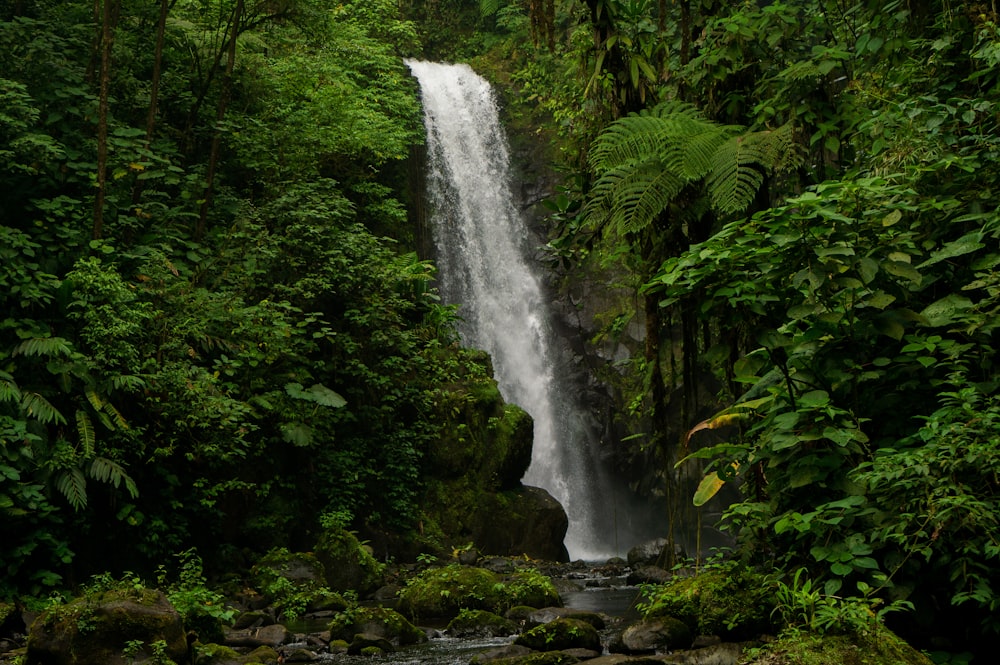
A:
(483, 251)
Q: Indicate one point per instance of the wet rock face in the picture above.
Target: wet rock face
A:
(659, 634)
(523, 521)
(95, 629)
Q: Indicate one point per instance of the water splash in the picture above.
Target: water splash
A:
(483, 249)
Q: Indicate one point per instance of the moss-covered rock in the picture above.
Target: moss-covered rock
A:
(731, 601)
(216, 654)
(381, 622)
(474, 468)
(480, 623)
(97, 627)
(294, 583)
(346, 562)
(369, 645)
(561, 634)
(880, 647)
(443, 592)
(263, 655)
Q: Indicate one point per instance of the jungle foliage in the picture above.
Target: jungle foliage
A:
(214, 328)
(805, 198)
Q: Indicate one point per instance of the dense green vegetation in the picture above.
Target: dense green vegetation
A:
(215, 329)
(805, 196)
(214, 326)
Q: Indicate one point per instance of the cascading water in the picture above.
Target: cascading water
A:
(481, 245)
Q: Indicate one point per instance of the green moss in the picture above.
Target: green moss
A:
(731, 601)
(443, 592)
(381, 621)
(347, 563)
(371, 652)
(206, 654)
(561, 634)
(881, 648)
(262, 655)
(480, 623)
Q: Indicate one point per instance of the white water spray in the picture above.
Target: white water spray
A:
(482, 253)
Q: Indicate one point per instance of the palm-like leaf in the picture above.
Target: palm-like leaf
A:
(644, 161)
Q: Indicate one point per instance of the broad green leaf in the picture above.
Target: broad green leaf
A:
(814, 398)
(710, 486)
(879, 300)
(901, 269)
(968, 243)
(868, 267)
(946, 310)
(297, 434)
(326, 397)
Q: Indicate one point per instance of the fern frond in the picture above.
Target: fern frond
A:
(488, 7)
(36, 406)
(694, 159)
(128, 382)
(9, 392)
(94, 398)
(735, 177)
(117, 419)
(634, 138)
(85, 428)
(641, 198)
(72, 485)
(43, 346)
(108, 471)
(741, 162)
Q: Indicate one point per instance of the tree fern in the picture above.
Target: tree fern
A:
(644, 161)
(739, 165)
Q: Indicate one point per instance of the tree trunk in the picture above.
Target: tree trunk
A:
(220, 114)
(154, 89)
(102, 120)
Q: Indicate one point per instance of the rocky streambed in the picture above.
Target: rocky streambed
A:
(471, 610)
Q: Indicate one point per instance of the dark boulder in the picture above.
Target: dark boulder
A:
(97, 627)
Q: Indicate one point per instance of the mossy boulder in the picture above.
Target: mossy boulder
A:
(877, 647)
(295, 582)
(731, 601)
(97, 627)
(365, 644)
(480, 623)
(381, 622)
(473, 488)
(216, 654)
(302, 569)
(263, 655)
(444, 592)
(347, 564)
(561, 634)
